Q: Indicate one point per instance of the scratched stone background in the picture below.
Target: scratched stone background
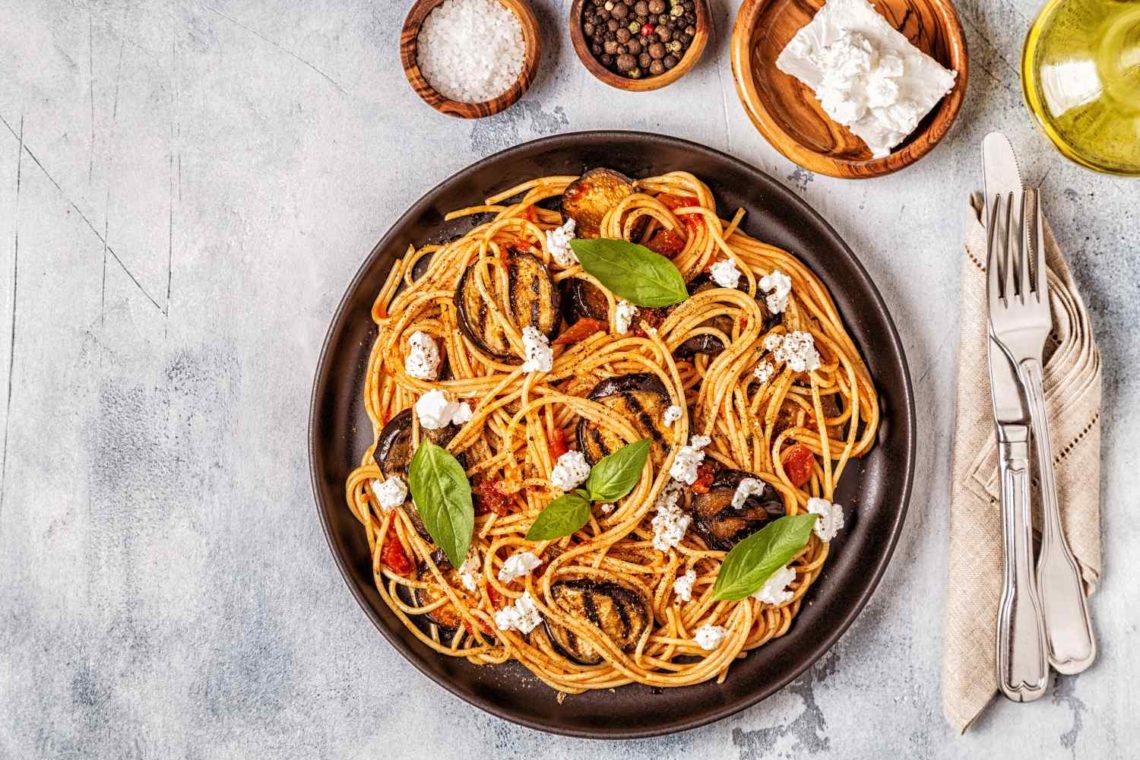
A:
(186, 188)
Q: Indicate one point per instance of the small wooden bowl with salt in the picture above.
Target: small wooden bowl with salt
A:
(477, 102)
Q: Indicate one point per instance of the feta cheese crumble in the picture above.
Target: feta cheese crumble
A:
(775, 590)
(469, 571)
(522, 616)
(435, 411)
(764, 371)
(747, 487)
(570, 471)
(866, 75)
(683, 586)
(796, 349)
(777, 286)
(539, 354)
(422, 361)
(672, 414)
(558, 243)
(830, 518)
(518, 565)
(725, 274)
(390, 493)
(688, 459)
(709, 637)
(623, 316)
(670, 523)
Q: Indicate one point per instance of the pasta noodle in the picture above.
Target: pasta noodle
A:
(521, 421)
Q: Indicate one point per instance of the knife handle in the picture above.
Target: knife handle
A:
(1022, 655)
(1068, 626)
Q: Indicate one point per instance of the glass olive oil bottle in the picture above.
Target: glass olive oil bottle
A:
(1081, 74)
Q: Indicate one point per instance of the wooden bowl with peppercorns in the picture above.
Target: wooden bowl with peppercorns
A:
(639, 45)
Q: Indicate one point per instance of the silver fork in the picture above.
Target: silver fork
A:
(1020, 321)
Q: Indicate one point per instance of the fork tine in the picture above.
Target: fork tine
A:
(1009, 253)
(1024, 248)
(1041, 283)
(993, 243)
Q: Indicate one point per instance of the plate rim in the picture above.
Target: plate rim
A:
(907, 410)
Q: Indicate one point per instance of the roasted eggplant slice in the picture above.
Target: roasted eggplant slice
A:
(711, 345)
(583, 300)
(393, 454)
(445, 615)
(532, 301)
(589, 198)
(722, 525)
(619, 610)
(642, 399)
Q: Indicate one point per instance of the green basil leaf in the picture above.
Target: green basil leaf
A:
(561, 517)
(751, 562)
(442, 496)
(632, 271)
(616, 475)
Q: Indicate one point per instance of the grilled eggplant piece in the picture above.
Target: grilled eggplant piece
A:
(720, 524)
(583, 300)
(710, 345)
(532, 301)
(641, 398)
(619, 610)
(589, 198)
(445, 615)
(393, 454)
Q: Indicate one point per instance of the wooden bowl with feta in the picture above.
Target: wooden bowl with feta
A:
(850, 88)
(470, 58)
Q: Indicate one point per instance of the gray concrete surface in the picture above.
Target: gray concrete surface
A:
(186, 188)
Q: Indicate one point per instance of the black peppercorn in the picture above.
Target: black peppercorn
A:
(620, 11)
(596, 49)
(641, 7)
(664, 33)
(612, 25)
(656, 51)
(634, 47)
(656, 68)
(623, 35)
(626, 62)
(670, 61)
(588, 29)
(607, 60)
(656, 6)
(644, 60)
(611, 46)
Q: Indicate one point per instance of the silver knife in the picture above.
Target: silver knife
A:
(1022, 650)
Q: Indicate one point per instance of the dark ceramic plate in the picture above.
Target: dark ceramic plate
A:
(876, 487)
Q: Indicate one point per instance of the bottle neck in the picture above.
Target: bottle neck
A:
(1118, 57)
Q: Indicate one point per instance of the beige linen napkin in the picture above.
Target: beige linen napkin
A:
(1072, 396)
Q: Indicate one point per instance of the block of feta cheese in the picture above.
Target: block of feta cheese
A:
(866, 74)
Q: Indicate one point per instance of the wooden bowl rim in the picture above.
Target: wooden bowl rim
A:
(918, 143)
(409, 40)
(690, 59)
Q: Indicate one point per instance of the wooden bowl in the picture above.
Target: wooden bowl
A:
(409, 37)
(786, 111)
(692, 55)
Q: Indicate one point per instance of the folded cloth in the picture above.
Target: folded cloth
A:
(1072, 398)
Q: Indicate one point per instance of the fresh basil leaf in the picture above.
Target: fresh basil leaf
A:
(632, 271)
(561, 517)
(442, 496)
(751, 562)
(616, 475)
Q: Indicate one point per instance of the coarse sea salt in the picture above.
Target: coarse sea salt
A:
(471, 50)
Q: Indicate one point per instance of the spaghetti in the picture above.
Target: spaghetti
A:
(717, 356)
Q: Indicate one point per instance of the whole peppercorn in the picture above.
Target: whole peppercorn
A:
(656, 6)
(647, 29)
(663, 19)
(626, 62)
(634, 74)
(609, 6)
(670, 61)
(634, 47)
(675, 46)
(656, 51)
(633, 27)
(644, 60)
(611, 46)
(622, 35)
(588, 29)
(601, 16)
(664, 33)
(656, 68)
(620, 11)
(690, 30)
(676, 12)
(612, 25)
(641, 7)
(596, 49)
(607, 60)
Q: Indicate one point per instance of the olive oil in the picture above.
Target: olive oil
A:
(1081, 76)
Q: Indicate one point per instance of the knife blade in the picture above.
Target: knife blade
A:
(1002, 177)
